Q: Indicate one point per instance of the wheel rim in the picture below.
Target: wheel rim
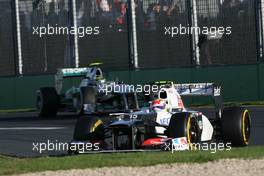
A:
(246, 126)
(192, 134)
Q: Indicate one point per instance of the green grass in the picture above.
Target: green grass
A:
(9, 165)
(17, 110)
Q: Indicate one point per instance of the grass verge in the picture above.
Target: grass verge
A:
(17, 110)
(10, 165)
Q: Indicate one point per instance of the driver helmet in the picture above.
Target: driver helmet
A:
(158, 105)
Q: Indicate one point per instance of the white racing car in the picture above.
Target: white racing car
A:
(165, 120)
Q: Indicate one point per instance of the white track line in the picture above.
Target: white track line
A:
(33, 128)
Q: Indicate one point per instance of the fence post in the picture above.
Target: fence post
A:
(259, 28)
(259, 40)
(14, 36)
(132, 35)
(70, 50)
(76, 47)
(194, 36)
(18, 39)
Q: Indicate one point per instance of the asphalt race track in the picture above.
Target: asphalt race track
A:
(20, 132)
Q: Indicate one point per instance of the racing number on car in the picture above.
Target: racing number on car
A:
(165, 121)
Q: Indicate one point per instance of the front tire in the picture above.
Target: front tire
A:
(236, 124)
(183, 125)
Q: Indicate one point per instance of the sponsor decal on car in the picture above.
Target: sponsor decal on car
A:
(180, 144)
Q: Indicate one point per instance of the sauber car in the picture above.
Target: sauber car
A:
(166, 118)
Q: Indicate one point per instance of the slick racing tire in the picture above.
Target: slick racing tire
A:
(47, 102)
(88, 128)
(236, 124)
(183, 125)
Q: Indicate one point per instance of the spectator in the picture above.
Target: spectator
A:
(105, 14)
(37, 16)
(52, 17)
(62, 14)
(153, 13)
(139, 14)
(120, 11)
(79, 12)
(93, 11)
(104, 5)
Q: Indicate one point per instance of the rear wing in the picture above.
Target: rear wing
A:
(202, 89)
(198, 89)
(72, 72)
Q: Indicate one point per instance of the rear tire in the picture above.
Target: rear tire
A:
(47, 102)
(236, 124)
(183, 125)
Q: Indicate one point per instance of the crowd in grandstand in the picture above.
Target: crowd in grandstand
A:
(112, 14)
